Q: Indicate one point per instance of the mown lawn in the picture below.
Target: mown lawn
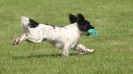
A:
(113, 43)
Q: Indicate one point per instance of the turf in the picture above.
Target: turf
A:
(113, 43)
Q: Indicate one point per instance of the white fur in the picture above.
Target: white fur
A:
(62, 37)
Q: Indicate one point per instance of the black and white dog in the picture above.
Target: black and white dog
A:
(66, 37)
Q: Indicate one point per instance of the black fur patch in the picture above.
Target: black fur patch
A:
(33, 24)
(53, 26)
(72, 18)
(61, 26)
(83, 24)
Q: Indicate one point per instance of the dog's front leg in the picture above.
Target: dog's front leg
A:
(84, 49)
(65, 51)
(20, 39)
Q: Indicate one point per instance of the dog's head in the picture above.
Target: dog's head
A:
(83, 25)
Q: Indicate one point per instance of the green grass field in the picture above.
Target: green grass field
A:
(113, 43)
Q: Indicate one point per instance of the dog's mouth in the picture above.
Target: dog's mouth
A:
(91, 32)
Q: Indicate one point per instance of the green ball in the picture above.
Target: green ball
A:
(92, 32)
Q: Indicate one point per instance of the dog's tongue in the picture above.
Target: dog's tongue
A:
(92, 32)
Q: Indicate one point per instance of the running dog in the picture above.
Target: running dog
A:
(65, 38)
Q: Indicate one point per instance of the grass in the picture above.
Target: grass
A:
(113, 43)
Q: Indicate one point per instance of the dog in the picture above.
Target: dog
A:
(65, 38)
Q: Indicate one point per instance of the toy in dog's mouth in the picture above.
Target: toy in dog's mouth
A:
(92, 32)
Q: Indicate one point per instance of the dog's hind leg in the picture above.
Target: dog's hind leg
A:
(82, 48)
(20, 39)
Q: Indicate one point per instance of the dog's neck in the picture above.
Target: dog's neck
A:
(74, 26)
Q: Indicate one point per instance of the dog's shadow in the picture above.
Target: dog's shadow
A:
(43, 55)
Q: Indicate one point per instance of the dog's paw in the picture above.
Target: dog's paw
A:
(16, 41)
(90, 50)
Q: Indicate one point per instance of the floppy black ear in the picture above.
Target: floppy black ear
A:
(80, 17)
(72, 18)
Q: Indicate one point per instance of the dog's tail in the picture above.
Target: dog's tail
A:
(27, 22)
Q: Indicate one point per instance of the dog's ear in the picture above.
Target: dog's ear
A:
(72, 18)
(81, 22)
(80, 17)
(33, 23)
